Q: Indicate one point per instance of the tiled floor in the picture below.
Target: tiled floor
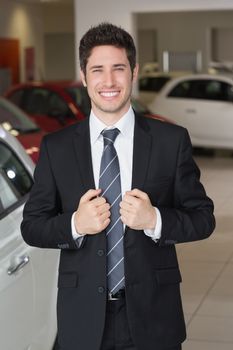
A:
(207, 266)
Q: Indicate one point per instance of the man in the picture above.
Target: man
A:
(115, 193)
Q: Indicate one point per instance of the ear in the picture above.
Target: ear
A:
(83, 78)
(135, 72)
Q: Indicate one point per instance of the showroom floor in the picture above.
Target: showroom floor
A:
(207, 266)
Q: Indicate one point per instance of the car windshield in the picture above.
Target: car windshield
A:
(81, 98)
(13, 119)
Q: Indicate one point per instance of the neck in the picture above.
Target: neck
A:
(109, 118)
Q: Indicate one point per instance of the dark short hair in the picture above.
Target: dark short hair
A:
(106, 34)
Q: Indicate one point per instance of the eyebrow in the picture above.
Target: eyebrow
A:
(117, 65)
(96, 67)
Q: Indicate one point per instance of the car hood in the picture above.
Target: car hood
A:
(31, 142)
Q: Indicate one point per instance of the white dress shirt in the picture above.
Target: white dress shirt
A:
(124, 148)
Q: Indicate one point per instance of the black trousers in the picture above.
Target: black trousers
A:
(116, 333)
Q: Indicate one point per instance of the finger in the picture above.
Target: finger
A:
(98, 201)
(89, 195)
(125, 214)
(137, 193)
(127, 206)
(103, 222)
(106, 223)
(104, 216)
(103, 208)
(123, 219)
(130, 199)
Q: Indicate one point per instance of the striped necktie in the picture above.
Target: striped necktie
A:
(110, 183)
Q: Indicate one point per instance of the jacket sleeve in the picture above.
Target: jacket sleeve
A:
(191, 216)
(44, 225)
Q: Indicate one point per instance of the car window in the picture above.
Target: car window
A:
(152, 83)
(36, 101)
(15, 182)
(16, 97)
(182, 90)
(57, 107)
(216, 90)
(204, 89)
(230, 92)
(80, 96)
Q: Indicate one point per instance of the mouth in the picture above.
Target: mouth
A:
(109, 94)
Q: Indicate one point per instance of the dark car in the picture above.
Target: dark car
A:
(15, 121)
(53, 105)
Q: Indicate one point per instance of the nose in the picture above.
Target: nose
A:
(109, 79)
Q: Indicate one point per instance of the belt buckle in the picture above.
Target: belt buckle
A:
(110, 297)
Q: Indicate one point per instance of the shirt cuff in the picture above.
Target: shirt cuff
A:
(76, 236)
(155, 234)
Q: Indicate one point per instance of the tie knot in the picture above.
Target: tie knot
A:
(110, 135)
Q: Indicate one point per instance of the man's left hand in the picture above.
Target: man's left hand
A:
(137, 211)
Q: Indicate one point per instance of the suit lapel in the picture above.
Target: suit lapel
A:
(82, 148)
(141, 152)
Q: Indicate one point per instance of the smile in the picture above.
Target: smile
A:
(109, 94)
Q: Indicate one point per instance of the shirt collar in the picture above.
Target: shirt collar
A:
(125, 125)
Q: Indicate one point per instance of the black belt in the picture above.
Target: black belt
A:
(120, 294)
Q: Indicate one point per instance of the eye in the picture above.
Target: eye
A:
(96, 70)
(120, 68)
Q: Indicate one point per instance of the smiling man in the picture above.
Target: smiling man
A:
(115, 193)
(109, 79)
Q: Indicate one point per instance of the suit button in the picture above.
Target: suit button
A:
(100, 252)
(101, 289)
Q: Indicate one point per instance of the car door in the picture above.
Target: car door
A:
(174, 102)
(16, 278)
(27, 274)
(210, 114)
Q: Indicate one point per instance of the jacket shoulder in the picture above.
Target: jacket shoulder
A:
(157, 126)
(66, 133)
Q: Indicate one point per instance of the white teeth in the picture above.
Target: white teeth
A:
(109, 94)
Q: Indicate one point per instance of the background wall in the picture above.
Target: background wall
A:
(35, 23)
(24, 22)
(59, 41)
(188, 31)
(123, 12)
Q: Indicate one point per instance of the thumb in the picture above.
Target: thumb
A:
(89, 195)
(137, 193)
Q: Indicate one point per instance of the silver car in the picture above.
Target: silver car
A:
(27, 275)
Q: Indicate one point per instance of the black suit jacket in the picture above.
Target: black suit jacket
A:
(162, 167)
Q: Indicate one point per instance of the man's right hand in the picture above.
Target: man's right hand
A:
(93, 213)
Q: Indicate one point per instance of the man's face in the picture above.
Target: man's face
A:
(109, 81)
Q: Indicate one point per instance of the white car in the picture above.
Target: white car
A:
(150, 84)
(28, 275)
(201, 103)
